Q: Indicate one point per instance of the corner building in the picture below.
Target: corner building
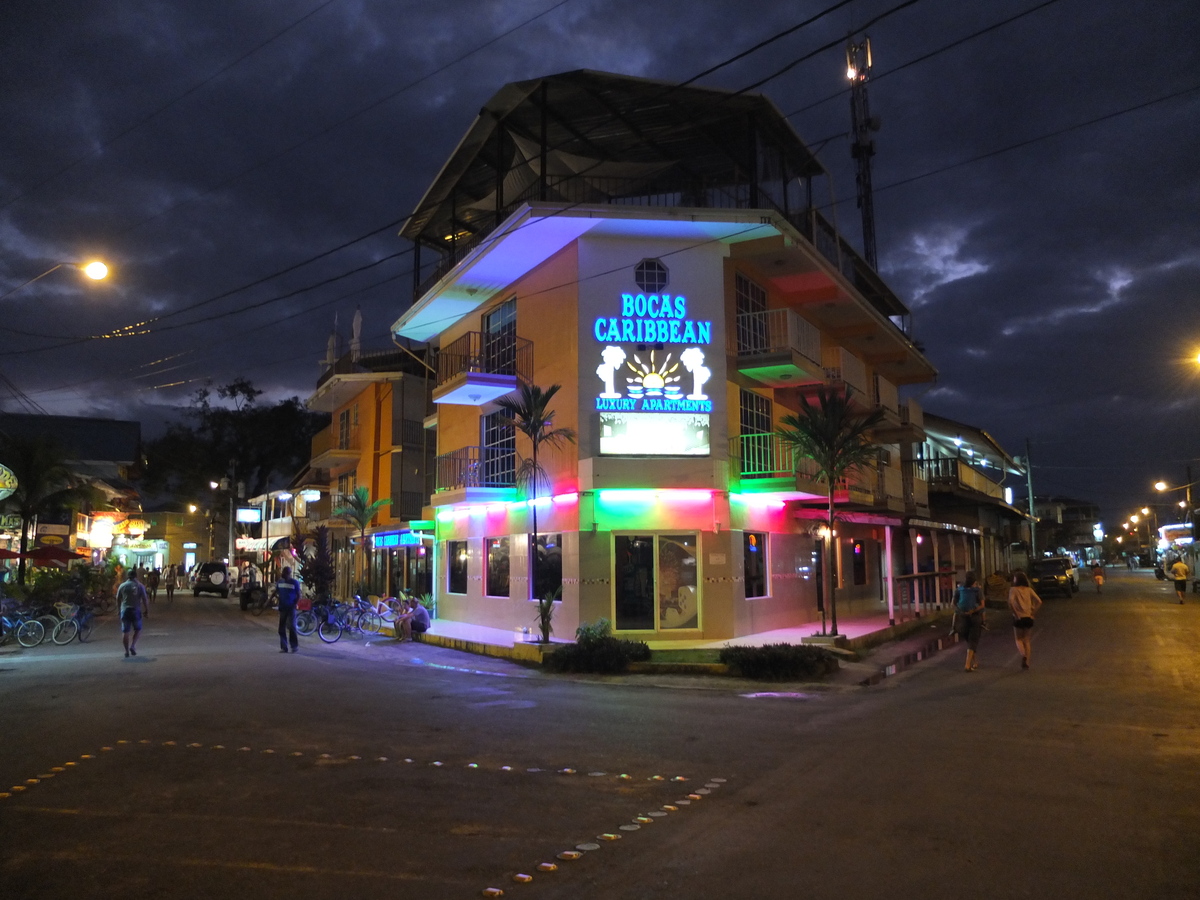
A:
(656, 251)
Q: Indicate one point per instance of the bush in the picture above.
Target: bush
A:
(779, 662)
(596, 650)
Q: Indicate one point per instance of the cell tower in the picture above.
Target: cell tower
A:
(862, 145)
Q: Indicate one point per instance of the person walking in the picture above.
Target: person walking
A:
(1098, 575)
(1179, 571)
(1023, 601)
(968, 606)
(169, 582)
(153, 579)
(288, 590)
(132, 599)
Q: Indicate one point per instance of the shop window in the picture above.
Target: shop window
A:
(496, 580)
(547, 558)
(754, 555)
(456, 553)
(656, 582)
(858, 550)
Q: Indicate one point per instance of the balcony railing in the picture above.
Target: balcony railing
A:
(331, 439)
(777, 331)
(885, 395)
(916, 489)
(843, 367)
(948, 472)
(490, 354)
(476, 467)
(912, 414)
(768, 456)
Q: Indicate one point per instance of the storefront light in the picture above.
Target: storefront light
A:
(445, 515)
(566, 498)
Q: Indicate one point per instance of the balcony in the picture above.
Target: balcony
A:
(950, 474)
(903, 422)
(765, 463)
(333, 446)
(889, 489)
(777, 348)
(916, 491)
(478, 368)
(475, 467)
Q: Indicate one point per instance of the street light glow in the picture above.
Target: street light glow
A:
(95, 270)
(1160, 485)
(1145, 510)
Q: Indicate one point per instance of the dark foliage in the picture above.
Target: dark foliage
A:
(603, 655)
(779, 662)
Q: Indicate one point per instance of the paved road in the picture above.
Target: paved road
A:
(380, 770)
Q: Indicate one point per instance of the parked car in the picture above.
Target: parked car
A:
(213, 578)
(1055, 574)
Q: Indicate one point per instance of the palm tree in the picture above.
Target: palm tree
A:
(44, 483)
(529, 415)
(838, 439)
(358, 510)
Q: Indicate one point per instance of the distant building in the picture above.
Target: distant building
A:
(1067, 525)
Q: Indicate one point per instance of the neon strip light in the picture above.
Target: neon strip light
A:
(566, 498)
(651, 496)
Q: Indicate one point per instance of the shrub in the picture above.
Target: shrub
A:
(779, 662)
(596, 650)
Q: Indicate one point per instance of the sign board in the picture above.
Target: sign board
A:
(250, 515)
(8, 482)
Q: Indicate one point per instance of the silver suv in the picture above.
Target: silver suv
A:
(213, 578)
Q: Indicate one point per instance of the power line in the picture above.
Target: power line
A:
(99, 148)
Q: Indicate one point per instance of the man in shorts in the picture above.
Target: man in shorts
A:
(1179, 572)
(132, 599)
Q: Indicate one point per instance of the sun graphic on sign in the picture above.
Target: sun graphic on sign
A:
(653, 378)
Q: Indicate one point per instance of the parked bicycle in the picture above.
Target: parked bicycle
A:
(79, 624)
(22, 625)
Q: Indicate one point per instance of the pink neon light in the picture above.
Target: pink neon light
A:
(685, 495)
(566, 498)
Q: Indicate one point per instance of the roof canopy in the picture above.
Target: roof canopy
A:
(593, 137)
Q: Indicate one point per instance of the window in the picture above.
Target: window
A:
(754, 555)
(651, 276)
(496, 582)
(751, 302)
(348, 428)
(499, 451)
(456, 554)
(347, 482)
(757, 441)
(548, 562)
(500, 338)
(656, 582)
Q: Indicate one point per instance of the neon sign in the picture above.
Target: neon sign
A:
(652, 319)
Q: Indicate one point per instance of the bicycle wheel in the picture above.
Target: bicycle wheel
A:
(259, 602)
(371, 622)
(30, 633)
(391, 609)
(49, 622)
(86, 625)
(330, 632)
(306, 622)
(65, 631)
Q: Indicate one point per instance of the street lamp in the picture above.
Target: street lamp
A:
(95, 270)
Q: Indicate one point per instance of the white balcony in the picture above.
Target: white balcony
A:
(777, 348)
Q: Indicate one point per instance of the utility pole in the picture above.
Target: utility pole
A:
(1032, 515)
(862, 143)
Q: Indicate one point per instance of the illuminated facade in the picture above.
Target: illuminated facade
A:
(655, 251)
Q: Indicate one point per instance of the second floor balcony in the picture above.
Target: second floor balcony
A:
(777, 348)
(475, 467)
(478, 368)
(334, 445)
(951, 474)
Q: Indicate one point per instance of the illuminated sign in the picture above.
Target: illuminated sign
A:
(653, 434)
(396, 539)
(652, 319)
(656, 384)
(8, 482)
(189, 545)
(250, 515)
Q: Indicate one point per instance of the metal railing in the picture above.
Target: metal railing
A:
(768, 456)
(494, 354)
(954, 473)
(331, 438)
(475, 467)
(776, 331)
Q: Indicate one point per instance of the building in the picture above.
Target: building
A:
(379, 401)
(657, 251)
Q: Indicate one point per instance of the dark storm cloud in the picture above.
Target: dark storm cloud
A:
(1054, 286)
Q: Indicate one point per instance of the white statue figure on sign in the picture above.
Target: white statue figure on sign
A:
(614, 358)
(693, 360)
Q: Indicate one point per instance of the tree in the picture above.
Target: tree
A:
(838, 439)
(358, 510)
(44, 484)
(316, 562)
(530, 415)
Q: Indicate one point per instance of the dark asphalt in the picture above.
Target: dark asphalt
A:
(235, 771)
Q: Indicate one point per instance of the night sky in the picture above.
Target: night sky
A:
(209, 151)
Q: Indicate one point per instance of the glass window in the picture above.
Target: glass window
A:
(499, 451)
(500, 338)
(757, 441)
(548, 561)
(858, 550)
(754, 555)
(651, 275)
(496, 584)
(678, 599)
(456, 554)
(751, 303)
(634, 584)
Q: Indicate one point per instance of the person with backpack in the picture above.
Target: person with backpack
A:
(288, 590)
(968, 607)
(132, 599)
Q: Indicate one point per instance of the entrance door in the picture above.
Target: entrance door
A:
(656, 582)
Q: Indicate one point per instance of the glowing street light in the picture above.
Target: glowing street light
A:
(94, 270)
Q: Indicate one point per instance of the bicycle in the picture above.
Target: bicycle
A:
(325, 619)
(28, 631)
(80, 624)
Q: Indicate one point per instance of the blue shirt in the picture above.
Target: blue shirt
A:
(288, 590)
(968, 599)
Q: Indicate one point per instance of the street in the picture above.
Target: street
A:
(211, 765)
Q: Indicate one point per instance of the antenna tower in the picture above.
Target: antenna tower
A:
(862, 146)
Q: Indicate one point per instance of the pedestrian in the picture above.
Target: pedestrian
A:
(153, 578)
(1024, 602)
(968, 607)
(288, 590)
(1098, 575)
(132, 599)
(1180, 572)
(169, 582)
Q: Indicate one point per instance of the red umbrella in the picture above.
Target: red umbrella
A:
(52, 554)
(9, 554)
